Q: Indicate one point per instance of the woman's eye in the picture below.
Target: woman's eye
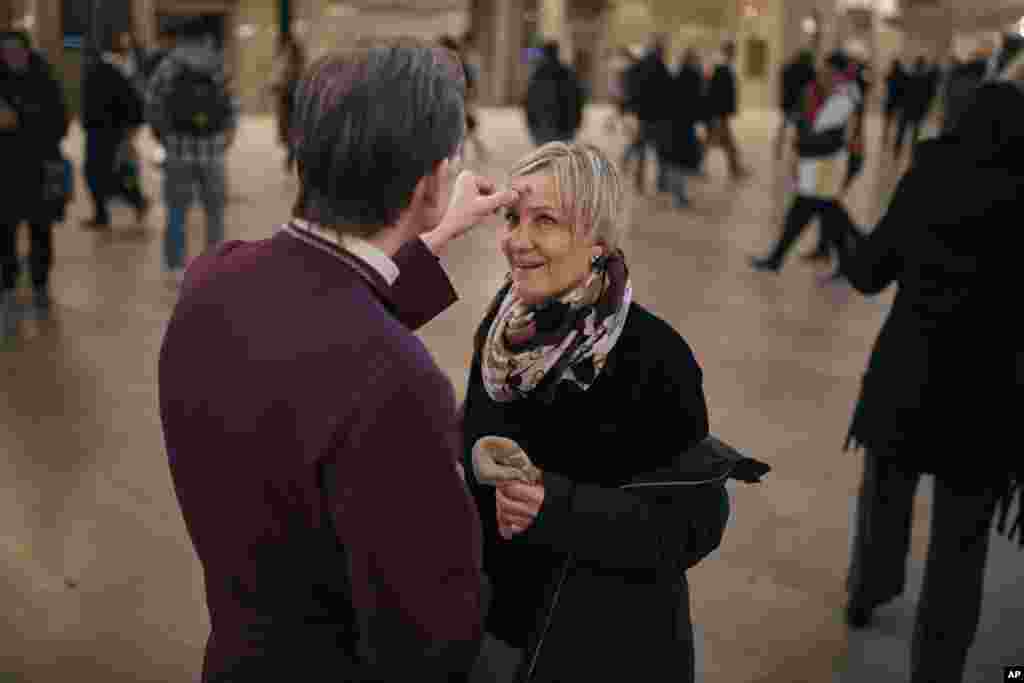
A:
(546, 220)
(511, 217)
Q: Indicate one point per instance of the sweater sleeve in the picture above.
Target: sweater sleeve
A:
(409, 525)
(422, 290)
(619, 530)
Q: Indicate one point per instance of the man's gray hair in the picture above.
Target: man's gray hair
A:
(368, 124)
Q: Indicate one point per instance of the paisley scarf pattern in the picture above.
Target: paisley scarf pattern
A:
(533, 348)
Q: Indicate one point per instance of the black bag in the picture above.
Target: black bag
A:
(197, 104)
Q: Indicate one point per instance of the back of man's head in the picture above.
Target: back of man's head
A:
(368, 124)
(550, 49)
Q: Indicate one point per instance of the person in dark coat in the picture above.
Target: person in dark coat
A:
(112, 109)
(33, 121)
(554, 99)
(918, 411)
(920, 91)
(796, 75)
(679, 149)
(896, 86)
(307, 428)
(647, 81)
(723, 105)
(572, 370)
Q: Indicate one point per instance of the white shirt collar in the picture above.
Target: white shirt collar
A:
(372, 255)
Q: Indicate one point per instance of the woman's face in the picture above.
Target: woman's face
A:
(545, 256)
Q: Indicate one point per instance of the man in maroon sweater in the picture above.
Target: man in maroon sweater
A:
(311, 437)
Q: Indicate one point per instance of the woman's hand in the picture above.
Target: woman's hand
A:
(474, 198)
(517, 506)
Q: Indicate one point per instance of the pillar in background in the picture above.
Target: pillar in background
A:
(144, 22)
(508, 43)
(554, 25)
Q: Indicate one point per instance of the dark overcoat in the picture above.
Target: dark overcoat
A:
(676, 137)
(623, 611)
(938, 356)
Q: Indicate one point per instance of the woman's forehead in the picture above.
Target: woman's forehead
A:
(536, 190)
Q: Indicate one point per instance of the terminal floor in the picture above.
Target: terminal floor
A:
(98, 579)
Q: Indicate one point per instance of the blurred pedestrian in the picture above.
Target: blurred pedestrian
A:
(796, 75)
(897, 82)
(921, 87)
(919, 410)
(554, 99)
(723, 105)
(680, 151)
(647, 81)
(194, 116)
(112, 112)
(830, 104)
(316, 565)
(289, 64)
(33, 121)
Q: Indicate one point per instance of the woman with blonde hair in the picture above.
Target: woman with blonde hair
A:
(585, 391)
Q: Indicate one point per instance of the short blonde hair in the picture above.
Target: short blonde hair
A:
(588, 185)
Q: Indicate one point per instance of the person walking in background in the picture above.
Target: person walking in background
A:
(919, 410)
(647, 81)
(289, 64)
(679, 149)
(796, 75)
(723, 106)
(33, 121)
(897, 83)
(194, 116)
(830, 104)
(921, 86)
(112, 112)
(315, 570)
(554, 99)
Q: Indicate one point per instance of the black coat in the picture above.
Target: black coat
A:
(554, 99)
(647, 81)
(43, 122)
(624, 607)
(43, 118)
(722, 98)
(930, 390)
(676, 138)
(109, 100)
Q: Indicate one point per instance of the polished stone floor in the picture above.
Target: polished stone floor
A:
(98, 580)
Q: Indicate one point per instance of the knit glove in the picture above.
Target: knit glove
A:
(497, 459)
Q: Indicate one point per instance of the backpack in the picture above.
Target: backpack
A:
(197, 104)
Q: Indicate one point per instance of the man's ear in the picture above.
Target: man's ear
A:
(431, 186)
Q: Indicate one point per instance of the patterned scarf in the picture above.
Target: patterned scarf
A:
(535, 347)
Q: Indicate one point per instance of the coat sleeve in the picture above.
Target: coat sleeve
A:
(422, 290)
(619, 530)
(410, 528)
(877, 260)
